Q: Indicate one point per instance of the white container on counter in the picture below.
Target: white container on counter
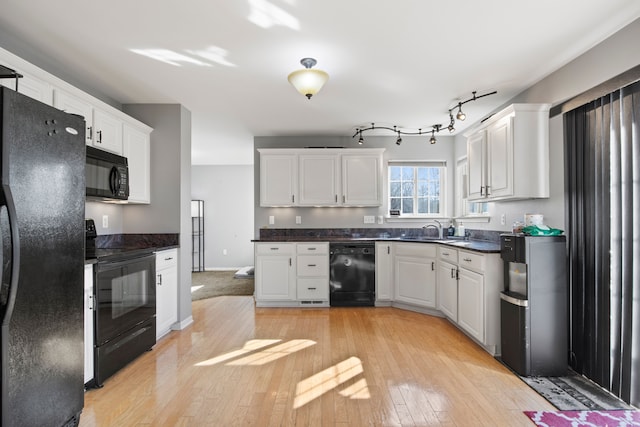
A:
(533, 219)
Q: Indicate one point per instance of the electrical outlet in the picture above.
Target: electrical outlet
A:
(105, 221)
(369, 219)
(224, 252)
(503, 219)
(298, 219)
(272, 219)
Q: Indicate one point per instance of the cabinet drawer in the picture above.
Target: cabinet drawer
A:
(313, 288)
(448, 254)
(166, 259)
(274, 248)
(312, 265)
(471, 260)
(312, 248)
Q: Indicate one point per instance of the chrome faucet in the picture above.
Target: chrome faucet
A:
(438, 227)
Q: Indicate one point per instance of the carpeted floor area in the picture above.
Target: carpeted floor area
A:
(209, 284)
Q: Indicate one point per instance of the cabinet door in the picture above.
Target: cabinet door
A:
(74, 105)
(278, 179)
(361, 177)
(137, 150)
(88, 323)
(166, 299)
(448, 290)
(275, 278)
(476, 166)
(384, 271)
(36, 89)
(318, 180)
(415, 280)
(108, 132)
(500, 158)
(471, 303)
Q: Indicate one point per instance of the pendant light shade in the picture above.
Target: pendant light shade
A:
(307, 81)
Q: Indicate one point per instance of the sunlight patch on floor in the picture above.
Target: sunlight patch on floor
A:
(274, 353)
(324, 381)
(195, 288)
(249, 347)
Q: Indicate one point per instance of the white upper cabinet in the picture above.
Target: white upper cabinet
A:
(278, 179)
(361, 178)
(74, 105)
(107, 131)
(36, 88)
(508, 157)
(137, 150)
(320, 177)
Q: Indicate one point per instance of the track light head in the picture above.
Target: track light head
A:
(399, 140)
(461, 115)
(432, 140)
(361, 139)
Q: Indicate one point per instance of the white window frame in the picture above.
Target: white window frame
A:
(443, 188)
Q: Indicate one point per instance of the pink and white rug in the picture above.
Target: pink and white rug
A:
(619, 418)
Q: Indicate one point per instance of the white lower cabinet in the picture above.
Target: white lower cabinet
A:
(312, 280)
(471, 303)
(384, 273)
(415, 274)
(448, 282)
(275, 273)
(88, 323)
(166, 291)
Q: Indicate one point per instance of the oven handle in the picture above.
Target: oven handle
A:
(109, 265)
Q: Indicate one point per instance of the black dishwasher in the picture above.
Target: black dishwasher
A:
(352, 274)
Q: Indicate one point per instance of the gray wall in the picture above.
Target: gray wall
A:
(412, 148)
(228, 197)
(605, 61)
(170, 208)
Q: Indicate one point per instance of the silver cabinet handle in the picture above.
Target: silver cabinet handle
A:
(274, 249)
(99, 137)
(90, 133)
(388, 250)
(311, 249)
(488, 190)
(467, 259)
(445, 253)
(311, 265)
(289, 262)
(312, 289)
(453, 273)
(433, 266)
(159, 279)
(169, 258)
(481, 190)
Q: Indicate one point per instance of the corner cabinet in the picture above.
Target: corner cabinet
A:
(415, 274)
(320, 177)
(166, 291)
(508, 156)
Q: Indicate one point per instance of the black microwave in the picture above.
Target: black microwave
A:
(107, 175)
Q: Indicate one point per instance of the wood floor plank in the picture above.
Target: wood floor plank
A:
(242, 365)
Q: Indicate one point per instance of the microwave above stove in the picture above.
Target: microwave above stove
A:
(107, 175)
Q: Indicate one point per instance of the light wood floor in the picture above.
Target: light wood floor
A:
(241, 365)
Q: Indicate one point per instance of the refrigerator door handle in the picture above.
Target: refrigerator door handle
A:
(9, 259)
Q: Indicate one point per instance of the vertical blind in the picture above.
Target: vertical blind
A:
(602, 171)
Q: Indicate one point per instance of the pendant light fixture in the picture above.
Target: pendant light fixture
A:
(307, 81)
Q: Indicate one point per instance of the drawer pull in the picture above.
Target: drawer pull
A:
(445, 253)
(433, 266)
(274, 249)
(168, 259)
(467, 259)
(311, 265)
(311, 249)
(453, 274)
(312, 289)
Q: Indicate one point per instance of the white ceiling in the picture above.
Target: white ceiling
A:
(402, 62)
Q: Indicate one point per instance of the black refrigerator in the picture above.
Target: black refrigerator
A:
(42, 254)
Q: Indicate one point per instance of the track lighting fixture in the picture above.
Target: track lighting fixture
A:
(460, 115)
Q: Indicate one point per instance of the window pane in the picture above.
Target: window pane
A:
(434, 205)
(407, 189)
(423, 189)
(394, 173)
(407, 206)
(394, 203)
(422, 205)
(407, 173)
(394, 189)
(423, 173)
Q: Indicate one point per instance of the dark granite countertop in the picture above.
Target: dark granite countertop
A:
(471, 244)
